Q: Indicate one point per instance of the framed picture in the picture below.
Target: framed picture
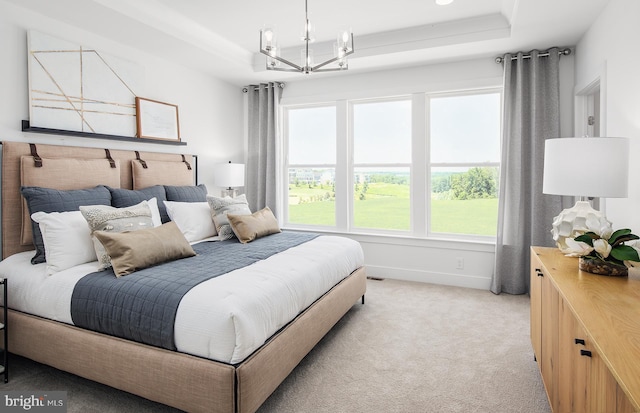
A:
(157, 120)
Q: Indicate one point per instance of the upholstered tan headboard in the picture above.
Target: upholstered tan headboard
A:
(73, 167)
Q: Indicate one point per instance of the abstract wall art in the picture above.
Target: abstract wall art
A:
(77, 88)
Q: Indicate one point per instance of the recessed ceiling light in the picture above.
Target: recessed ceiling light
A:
(443, 2)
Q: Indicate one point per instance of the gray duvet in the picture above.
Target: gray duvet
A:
(142, 306)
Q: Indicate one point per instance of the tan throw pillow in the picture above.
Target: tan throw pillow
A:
(135, 250)
(250, 227)
(110, 219)
(220, 207)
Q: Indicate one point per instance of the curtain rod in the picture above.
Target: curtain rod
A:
(279, 84)
(561, 52)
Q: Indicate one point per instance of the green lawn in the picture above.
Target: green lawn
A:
(473, 216)
(385, 213)
(387, 207)
(382, 189)
(313, 213)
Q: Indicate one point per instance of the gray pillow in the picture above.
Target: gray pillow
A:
(121, 198)
(53, 200)
(186, 193)
(220, 207)
(109, 219)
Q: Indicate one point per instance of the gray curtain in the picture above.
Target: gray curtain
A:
(262, 117)
(531, 114)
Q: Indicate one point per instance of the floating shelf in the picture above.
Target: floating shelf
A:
(26, 127)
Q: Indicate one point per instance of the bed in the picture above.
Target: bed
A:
(193, 380)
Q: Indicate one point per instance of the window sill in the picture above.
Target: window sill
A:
(452, 242)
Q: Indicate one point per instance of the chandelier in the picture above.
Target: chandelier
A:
(341, 49)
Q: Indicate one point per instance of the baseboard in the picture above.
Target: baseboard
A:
(455, 280)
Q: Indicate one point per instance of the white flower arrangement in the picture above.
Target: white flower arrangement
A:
(601, 242)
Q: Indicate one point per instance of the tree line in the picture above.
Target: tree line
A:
(476, 183)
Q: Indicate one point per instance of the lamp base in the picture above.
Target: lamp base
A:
(230, 192)
(572, 222)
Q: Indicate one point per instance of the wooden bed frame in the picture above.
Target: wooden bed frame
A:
(176, 379)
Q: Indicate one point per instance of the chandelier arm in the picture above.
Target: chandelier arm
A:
(284, 69)
(353, 47)
(336, 69)
(316, 67)
(335, 59)
(280, 59)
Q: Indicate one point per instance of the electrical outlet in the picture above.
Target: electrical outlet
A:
(460, 263)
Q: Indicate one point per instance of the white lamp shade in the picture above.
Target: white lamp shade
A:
(228, 175)
(586, 167)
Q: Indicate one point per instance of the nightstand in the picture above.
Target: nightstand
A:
(4, 367)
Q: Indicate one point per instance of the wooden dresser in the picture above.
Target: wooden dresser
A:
(585, 331)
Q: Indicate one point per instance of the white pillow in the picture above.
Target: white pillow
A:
(193, 219)
(67, 239)
(155, 212)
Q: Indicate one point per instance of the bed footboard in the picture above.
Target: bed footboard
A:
(262, 373)
(179, 380)
(176, 379)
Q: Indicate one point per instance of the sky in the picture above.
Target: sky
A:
(463, 129)
(312, 135)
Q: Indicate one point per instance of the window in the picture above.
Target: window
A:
(381, 164)
(311, 143)
(465, 155)
(351, 166)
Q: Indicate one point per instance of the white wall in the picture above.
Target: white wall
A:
(211, 111)
(211, 121)
(609, 50)
(445, 76)
(426, 260)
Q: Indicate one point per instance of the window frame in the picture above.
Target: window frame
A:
(431, 165)
(283, 177)
(352, 166)
(419, 169)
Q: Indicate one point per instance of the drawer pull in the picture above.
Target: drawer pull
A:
(540, 273)
(585, 353)
(580, 341)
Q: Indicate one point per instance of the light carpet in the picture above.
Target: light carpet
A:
(412, 347)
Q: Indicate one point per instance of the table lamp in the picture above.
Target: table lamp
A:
(228, 176)
(587, 168)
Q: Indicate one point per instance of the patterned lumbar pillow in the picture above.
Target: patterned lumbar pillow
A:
(220, 207)
(109, 219)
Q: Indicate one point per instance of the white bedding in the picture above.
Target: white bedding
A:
(225, 318)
